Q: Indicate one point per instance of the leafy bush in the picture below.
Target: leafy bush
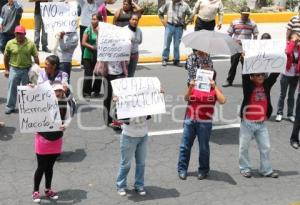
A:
(149, 8)
(292, 4)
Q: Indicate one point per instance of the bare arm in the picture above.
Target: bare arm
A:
(116, 16)
(189, 91)
(85, 43)
(36, 60)
(6, 65)
(288, 33)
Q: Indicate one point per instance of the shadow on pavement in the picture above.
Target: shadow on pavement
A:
(141, 67)
(217, 176)
(225, 136)
(153, 192)
(6, 133)
(67, 197)
(256, 174)
(72, 156)
(82, 108)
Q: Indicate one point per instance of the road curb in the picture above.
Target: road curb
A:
(153, 20)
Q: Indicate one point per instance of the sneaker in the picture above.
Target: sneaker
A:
(182, 175)
(141, 191)
(51, 194)
(36, 197)
(202, 176)
(8, 112)
(272, 175)
(116, 124)
(291, 118)
(246, 174)
(177, 63)
(2, 124)
(122, 192)
(46, 49)
(164, 63)
(278, 118)
(295, 145)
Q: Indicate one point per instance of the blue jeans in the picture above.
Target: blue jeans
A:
(130, 147)
(66, 67)
(259, 131)
(17, 76)
(175, 33)
(191, 128)
(4, 38)
(287, 82)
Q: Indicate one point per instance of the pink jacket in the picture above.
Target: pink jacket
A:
(289, 52)
(102, 11)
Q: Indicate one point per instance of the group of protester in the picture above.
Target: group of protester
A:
(255, 110)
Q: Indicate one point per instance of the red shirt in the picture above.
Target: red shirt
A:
(201, 105)
(256, 110)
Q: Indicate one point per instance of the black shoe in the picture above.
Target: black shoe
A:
(227, 84)
(202, 176)
(295, 145)
(182, 175)
(46, 49)
(164, 63)
(177, 63)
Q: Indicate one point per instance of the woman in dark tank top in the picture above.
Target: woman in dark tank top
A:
(122, 16)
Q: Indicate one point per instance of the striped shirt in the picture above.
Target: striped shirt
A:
(240, 30)
(176, 14)
(294, 24)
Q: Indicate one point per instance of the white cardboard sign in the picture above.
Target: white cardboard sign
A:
(38, 109)
(139, 96)
(114, 43)
(59, 16)
(264, 56)
(203, 78)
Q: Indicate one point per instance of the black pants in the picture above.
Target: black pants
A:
(235, 59)
(207, 25)
(81, 31)
(88, 85)
(108, 96)
(45, 166)
(296, 126)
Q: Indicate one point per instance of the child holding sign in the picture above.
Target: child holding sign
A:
(48, 146)
(198, 122)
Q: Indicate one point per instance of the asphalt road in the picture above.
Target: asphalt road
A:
(87, 172)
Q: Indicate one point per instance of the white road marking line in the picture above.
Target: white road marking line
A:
(179, 131)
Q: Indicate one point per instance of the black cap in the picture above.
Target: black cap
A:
(245, 10)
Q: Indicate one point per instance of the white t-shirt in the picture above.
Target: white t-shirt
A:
(137, 127)
(87, 10)
(114, 68)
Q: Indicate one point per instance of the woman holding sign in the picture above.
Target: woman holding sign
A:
(48, 146)
(289, 78)
(198, 122)
(89, 42)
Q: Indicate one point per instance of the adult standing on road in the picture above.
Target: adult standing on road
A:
(136, 40)
(178, 16)
(17, 61)
(293, 25)
(10, 17)
(206, 11)
(39, 26)
(88, 8)
(289, 78)
(239, 29)
(122, 16)
(89, 42)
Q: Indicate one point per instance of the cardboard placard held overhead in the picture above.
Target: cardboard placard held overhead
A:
(114, 43)
(139, 96)
(59, 16)
(264, 56)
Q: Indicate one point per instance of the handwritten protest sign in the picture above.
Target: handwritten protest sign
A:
(138, 96)
(38, 109)
(203, 78)
(59, 16)
(264, 56)
(114, 43)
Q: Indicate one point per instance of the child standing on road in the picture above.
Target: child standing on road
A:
(48, 146)
(255, 110)
(133, 142)
(198, 122)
